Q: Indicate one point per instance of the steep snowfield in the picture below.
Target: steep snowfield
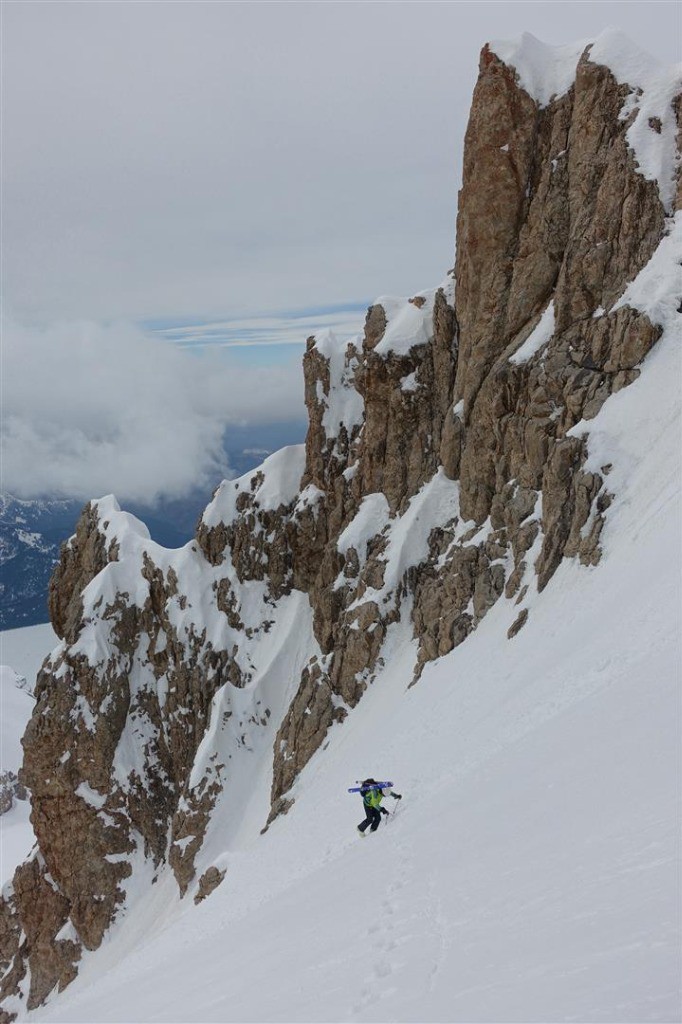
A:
(22, 652)
(532, 870)
(25, 649)
(16, 706)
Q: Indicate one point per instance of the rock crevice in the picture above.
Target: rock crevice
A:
(446, 468)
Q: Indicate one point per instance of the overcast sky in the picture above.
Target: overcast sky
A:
(170, 165)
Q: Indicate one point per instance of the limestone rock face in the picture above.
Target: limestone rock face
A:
(31, 939)
(446, 468)
(120, 713)
(579, 223)
(82, 558)
(407, 396)
(554, 221)
(370, 469)
(209, 881)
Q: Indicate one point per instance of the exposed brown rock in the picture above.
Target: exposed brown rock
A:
(82, 558)
(518, 624)
(88, 821)
(552, 210)
(375, 326)
(490, 213)
(310, 714)
(42, 913)
(209, 881)
(402, 431)
(577, 224)
(189, 826)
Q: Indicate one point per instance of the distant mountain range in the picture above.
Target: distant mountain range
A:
(32, 531)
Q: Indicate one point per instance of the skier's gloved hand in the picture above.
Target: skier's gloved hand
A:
(383, 811)
(396, 796)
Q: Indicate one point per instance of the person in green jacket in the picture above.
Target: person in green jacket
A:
(371, 799)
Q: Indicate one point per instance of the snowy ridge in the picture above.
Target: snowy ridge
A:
(652, 134)
(277, 483)
(259, 669)
(343, 405)
(533, 874)
(409, 323)
(262, 642)
(546, 72)
(196, 605)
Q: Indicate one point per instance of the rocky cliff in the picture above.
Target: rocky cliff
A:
(447, 467)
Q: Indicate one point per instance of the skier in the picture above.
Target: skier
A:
(372, 795)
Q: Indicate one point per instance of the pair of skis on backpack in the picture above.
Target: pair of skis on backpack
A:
(362, 788)
(366, 787)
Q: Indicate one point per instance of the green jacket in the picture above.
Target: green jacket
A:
(373, 798)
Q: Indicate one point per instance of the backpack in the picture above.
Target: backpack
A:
(373, 797)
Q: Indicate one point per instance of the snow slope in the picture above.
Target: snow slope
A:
(16, 707)
(532, 871)
(22, 652)
(25, 649)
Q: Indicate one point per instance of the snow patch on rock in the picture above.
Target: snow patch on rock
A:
(409, 322)
(544, 71)
(537, 339)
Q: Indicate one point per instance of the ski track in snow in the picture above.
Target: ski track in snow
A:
(531, 873)
(532, 870)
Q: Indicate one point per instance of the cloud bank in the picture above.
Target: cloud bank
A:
(202, 164)
(89, 409)
(266, 331)
(219, 159)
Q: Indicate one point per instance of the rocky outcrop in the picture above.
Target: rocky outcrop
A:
(35, 942)
(109, 750)
(11, 789)
(407, 396)
(209, 881)
(554, 220)
(447, 467)
(82, 558)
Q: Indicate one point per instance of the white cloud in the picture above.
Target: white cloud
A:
(219, 159)
(185, 163)
(255, 332)
(89, 409)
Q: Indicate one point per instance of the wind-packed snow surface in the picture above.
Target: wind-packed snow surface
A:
(532, 870)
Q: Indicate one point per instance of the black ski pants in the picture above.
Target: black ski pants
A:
(372, 820)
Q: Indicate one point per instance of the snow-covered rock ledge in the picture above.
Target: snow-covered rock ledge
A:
(455, 458)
